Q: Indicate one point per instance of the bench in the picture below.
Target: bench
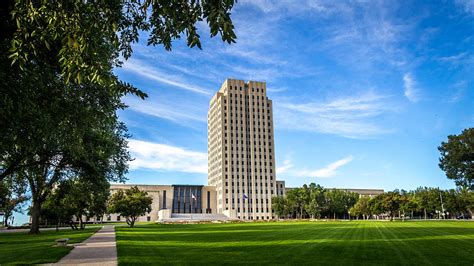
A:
(62, 241)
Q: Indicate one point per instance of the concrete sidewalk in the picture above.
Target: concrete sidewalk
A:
(99, 249)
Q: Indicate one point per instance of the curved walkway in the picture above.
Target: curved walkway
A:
(99, 249)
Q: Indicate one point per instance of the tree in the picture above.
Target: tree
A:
(315, 205)
(388, 203)
(79, 32)
(295, 203)
(279, 206)
(408, 204)
(361, 208)
(12, 198)
(457, 158)
(56, 209)
(131, 204)
(59, 92)
(76, 198)
(464, 202)
(350, 199)
(335, 202)
(428, 200)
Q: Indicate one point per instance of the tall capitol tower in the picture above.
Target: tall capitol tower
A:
(241, 150)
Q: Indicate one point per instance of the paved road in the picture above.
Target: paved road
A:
(99, 249)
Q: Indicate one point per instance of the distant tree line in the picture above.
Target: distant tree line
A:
(314, 201)
(424, 202)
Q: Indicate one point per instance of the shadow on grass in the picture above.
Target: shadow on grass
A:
(23, 248)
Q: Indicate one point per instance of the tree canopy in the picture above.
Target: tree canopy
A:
(79, 32)
(77, 199)
(457, 158)
(131, 204)
(59, 99)
(314, 201)
(12, 197)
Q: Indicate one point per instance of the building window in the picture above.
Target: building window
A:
(118, 218)
(148, 218)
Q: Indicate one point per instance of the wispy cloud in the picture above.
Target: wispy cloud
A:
(181, 112)
(459, 90)
(410, 89)
(162, 157)
(453, 58)
(141, 68)
(287, 164)
(288, 7)
(466, 5)
(276, 90)
(351, 117)
(329, 170)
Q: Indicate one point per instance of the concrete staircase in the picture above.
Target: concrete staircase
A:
(195, 217)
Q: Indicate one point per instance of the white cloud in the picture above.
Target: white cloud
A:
(329, 170)
(467, 5)
(288, 7)
(286, 166)
(410, 90)
(352, 116)
(149, 155)
(459, 90)
(276, 90)
(181, 112)
(147, 71)
(453, 58)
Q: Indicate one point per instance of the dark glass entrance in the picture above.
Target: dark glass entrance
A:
(183, 201)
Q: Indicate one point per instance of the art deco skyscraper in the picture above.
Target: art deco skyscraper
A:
(241, 153)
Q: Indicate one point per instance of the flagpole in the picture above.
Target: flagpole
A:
(192, 206)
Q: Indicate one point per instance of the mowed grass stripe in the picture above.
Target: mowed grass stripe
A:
(394, 230)
(394, 246)
(314, 243)
(447, 244)
(462, 231)
(355, 243)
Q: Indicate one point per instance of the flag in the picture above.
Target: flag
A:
(244, 197)
(194, 197)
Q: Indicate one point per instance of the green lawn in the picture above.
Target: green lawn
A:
(22, 248)
(355, 242)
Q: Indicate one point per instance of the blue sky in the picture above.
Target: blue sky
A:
(363, 92)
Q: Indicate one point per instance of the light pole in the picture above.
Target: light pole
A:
(442, 204)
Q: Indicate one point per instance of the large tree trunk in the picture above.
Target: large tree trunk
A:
(35, 217)
(81, 226)
(5, 219)
(73, 225)
(425, 213)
